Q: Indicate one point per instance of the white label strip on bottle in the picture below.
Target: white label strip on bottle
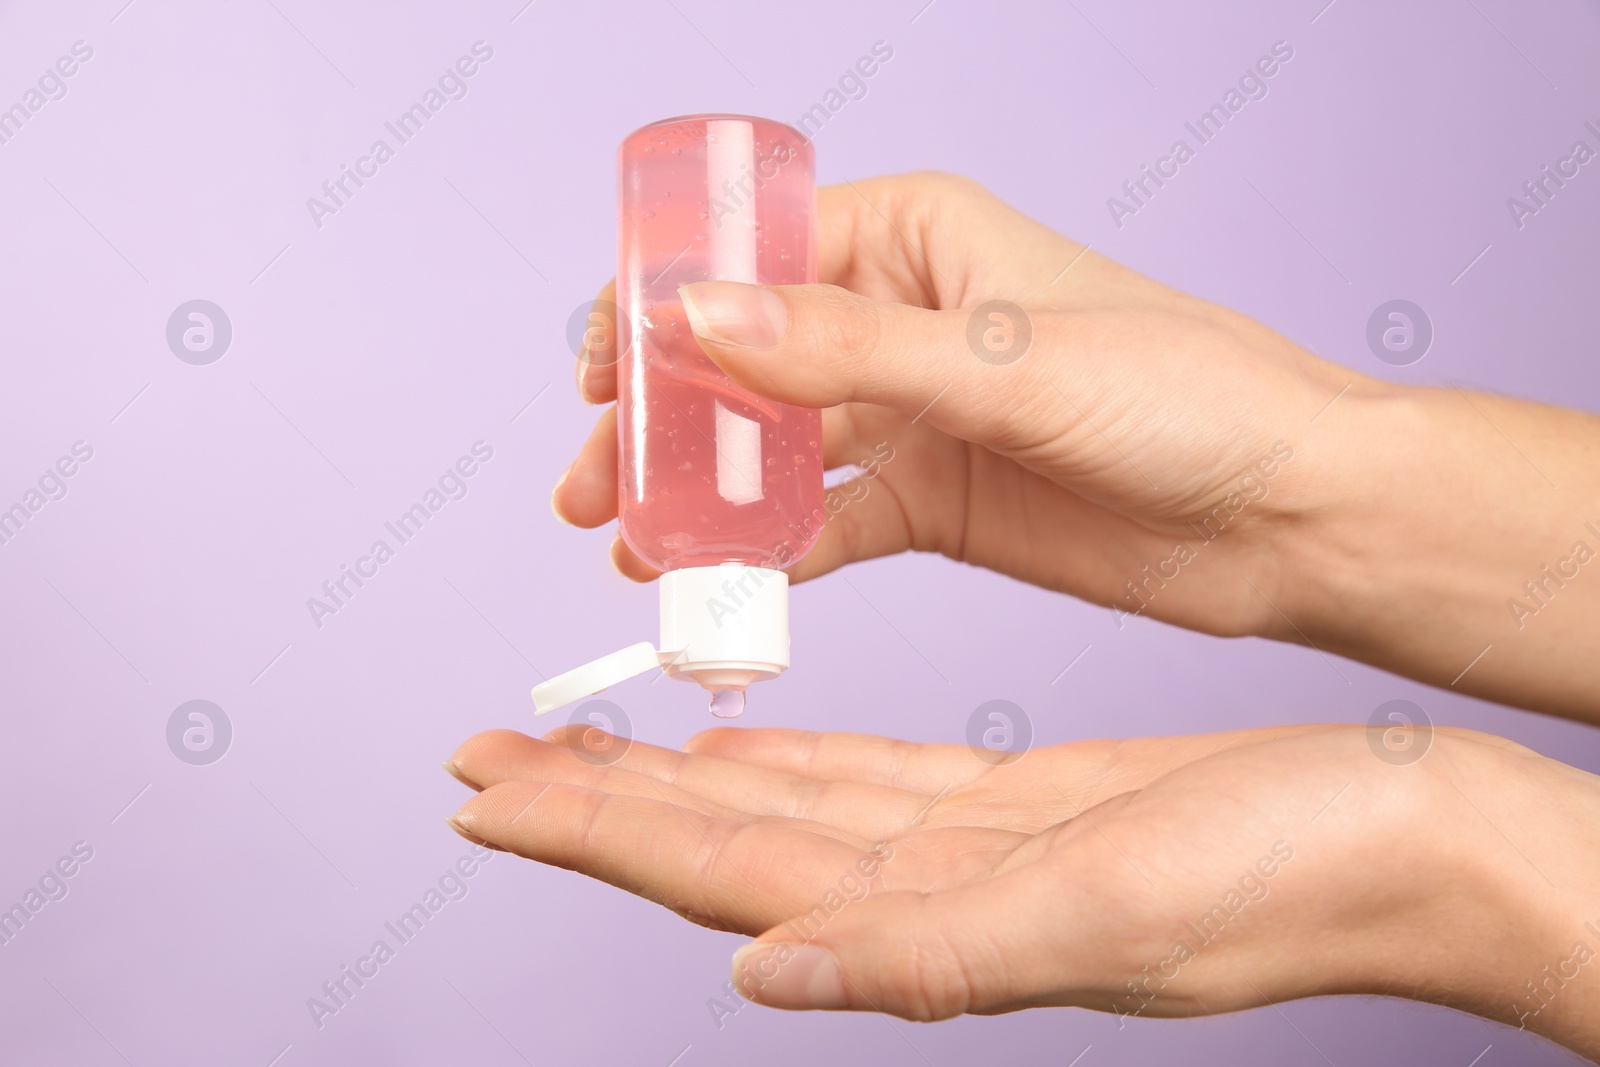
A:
(730, 176)
(730, 163)
(738, 443)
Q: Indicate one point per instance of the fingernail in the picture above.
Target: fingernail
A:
(732, 313)
(455, 772)
(450, 821)
(582, 374)
(554, 508)
(786, 975)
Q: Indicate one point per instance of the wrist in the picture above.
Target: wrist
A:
(1338, 527)
(1524, 930)
(1444, 883)
(1407, 531)
(1424, 516)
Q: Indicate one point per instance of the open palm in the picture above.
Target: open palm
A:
(941, 883)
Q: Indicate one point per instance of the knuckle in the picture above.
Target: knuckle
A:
(948, 183)
(844, 323)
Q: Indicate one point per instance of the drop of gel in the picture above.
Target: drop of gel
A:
(727, 703)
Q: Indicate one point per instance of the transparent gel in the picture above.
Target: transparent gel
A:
(727, 703)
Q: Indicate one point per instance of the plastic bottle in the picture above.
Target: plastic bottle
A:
(718, 487)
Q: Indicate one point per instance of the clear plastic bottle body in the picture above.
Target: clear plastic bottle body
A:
(710, 473)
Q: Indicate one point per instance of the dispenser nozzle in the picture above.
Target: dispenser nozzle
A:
(722, 627)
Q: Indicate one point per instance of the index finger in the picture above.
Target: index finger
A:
(871, 238)
(740, 876)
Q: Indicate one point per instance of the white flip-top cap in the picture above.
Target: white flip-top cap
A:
(722, 627)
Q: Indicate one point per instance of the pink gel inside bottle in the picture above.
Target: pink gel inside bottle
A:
(718, 488)
(710, 473)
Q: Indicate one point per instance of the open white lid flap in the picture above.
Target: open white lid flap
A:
(589, 679)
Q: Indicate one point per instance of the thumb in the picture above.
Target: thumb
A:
(921, 956)
(968, 372)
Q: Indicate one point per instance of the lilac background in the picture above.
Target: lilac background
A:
(428, 314)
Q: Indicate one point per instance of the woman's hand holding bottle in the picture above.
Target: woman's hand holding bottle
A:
(1152, 452)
